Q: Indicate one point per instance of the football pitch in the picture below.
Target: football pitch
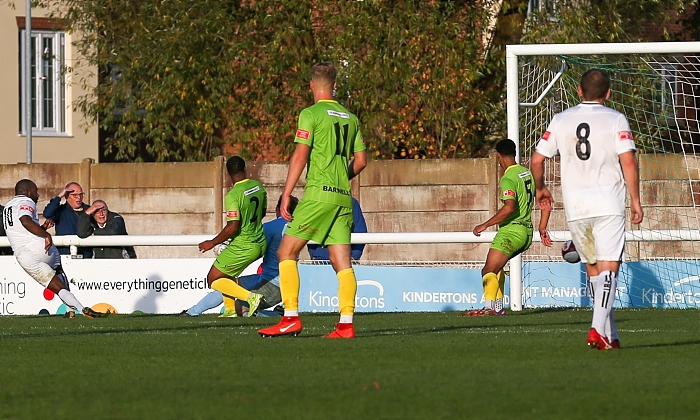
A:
(533, 364)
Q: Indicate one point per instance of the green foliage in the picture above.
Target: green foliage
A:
(575, 21)
(412, 71)
(184, 80)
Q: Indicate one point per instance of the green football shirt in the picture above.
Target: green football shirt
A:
(517, 184)
(333, 134)
(247, 202)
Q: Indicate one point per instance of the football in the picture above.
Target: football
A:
(569, 253)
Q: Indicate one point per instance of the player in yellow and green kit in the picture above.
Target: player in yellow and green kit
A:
(246, 204)
(328, 141)
(514, 221)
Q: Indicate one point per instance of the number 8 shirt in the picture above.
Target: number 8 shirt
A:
(589, 138)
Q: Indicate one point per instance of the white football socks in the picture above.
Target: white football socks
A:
(70, 300)
(604, 287)
(610, 328)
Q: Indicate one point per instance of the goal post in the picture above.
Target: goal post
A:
(657, 85)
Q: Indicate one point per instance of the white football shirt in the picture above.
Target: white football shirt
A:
(589, 138)
(17, 234)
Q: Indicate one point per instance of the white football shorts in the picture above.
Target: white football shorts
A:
(39, 264)
(599, 238)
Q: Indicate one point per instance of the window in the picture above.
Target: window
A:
(47, 85)
(548, 6)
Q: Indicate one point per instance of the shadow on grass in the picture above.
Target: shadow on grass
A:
(661, 345)
(110, 328)
(538, 311)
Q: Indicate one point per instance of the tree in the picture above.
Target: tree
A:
(176, 79)
(181, 80)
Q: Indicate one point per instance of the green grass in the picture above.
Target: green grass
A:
(533, 364)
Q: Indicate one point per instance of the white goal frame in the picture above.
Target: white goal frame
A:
(513, 52)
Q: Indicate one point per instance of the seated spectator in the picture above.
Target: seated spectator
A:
(320, 253)
(4, 250)
(98, 220)
(65, 216)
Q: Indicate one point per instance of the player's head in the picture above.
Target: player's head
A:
(506, 148)
(235, 165)
(323, 75)
(506, 153)
(293, 201)
(595, 85)
(27, 188)
(74, 195)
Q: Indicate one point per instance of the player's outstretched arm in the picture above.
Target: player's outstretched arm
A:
(630, 170)
(227, 232)
(501, 215)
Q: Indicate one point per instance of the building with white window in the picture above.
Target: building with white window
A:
(59, 134)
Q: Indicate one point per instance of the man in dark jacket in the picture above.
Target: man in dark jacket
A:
(98, 220)
(65, 216)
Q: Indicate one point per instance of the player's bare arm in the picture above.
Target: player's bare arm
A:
(630, 171)
(227, 232)
(297, 163)
(37, 230)
(357, 164)
(542, 194)
(544, 234)
(501, 215)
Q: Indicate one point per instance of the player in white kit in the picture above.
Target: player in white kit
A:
(597, 160)
(33, 247)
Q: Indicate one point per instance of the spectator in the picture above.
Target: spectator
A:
(65, 216)
(98, 220)
(320, 253)
(4, 250)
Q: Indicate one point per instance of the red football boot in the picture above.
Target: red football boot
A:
(342, 331)
(289, 325)
(483, 312)
(597, 341)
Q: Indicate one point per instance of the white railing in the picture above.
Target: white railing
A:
(363, 238)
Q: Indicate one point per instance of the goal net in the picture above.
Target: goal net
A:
(659, 92)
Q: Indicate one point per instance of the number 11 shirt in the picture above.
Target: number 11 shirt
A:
(333, 134)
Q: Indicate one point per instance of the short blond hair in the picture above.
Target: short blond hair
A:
(324, 73)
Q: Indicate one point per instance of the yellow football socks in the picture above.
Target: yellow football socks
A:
(501, 284)
(490, 282)
(229, 303)
(347, 289)
(229, 288)
(289, 284)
